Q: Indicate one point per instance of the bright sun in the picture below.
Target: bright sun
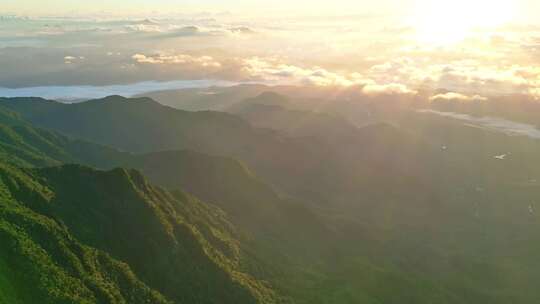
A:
(450, 21)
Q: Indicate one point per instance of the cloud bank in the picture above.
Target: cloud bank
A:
(73, 93)
(372, 54)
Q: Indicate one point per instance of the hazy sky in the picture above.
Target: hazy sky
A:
(58, 6)
(524, 8)
(54, 6)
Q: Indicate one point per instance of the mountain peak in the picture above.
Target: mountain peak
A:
(122, 99)
(271, 98)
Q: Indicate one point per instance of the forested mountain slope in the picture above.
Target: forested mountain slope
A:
(110, 237)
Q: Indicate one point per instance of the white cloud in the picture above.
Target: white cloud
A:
(203, 61)
(72, 59)
(535, 93)
(321, 52)
(144, 28)
(452, 96)
(390, 88)
(273, 70)
(464, 76)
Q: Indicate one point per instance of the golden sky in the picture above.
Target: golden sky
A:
(472, 48)
(524, 9)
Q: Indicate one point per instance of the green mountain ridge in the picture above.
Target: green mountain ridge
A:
(40, 252)
(308, 167)
(162, 128)
(280, 249)
(173, 220)
(153, 231)
(222, 181)
(250, 202)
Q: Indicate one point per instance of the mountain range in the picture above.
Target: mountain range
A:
(129, 201)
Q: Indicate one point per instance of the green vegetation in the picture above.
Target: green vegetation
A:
(408, 210)
(135, 125)
(180, 247)
(43, 263)
(310, 168)
(23, 145)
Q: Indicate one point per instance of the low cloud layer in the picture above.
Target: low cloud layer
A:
(492, 123)
(452, 96)
(72, 93)
(202, 61)
(376, 55)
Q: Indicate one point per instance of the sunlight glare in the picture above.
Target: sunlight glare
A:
(444, 22)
